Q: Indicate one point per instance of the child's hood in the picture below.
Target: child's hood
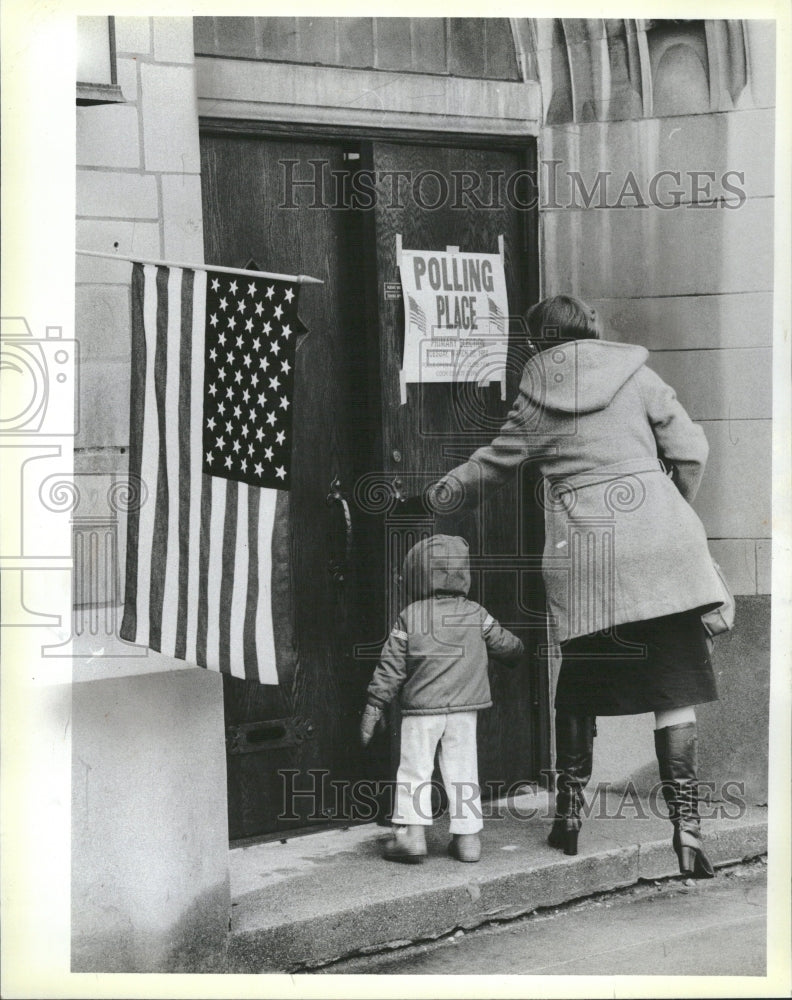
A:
(438, 564)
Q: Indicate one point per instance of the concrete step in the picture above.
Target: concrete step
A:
(313, 899)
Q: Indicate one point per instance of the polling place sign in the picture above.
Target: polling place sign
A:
(456, 317)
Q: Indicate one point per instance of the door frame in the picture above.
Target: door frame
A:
(527, 145)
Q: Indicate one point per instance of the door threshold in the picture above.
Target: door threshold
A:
(283, 836)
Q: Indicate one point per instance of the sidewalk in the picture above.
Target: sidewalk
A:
(316, 898)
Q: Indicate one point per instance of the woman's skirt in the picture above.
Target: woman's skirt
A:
(644, 666)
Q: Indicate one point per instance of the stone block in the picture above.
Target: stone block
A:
(133, 34)
(170, 119)
(182, 215)
(102, 322)
(100, 425)
(393, 45)
(764, 579)
(356, 41)
(737, 558)
(734, 499)
(717, 385)
(132, 238)
(682, 322)
(761, 43)
(114, 195)
(107, 136)
(648, 252)
(173, 39)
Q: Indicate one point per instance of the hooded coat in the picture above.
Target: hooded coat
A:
(621, 462)
(437, 653)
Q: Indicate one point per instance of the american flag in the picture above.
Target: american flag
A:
(210, 440)
(497, 318)
(417, 315)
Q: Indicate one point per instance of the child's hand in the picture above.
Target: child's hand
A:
(371, 716)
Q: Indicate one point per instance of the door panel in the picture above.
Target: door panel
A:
(310, 720)
(442, 424)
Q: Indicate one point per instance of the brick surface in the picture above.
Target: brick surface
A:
(102, 322)
(182, 217)
(121, 237)
(170, 120)
(717, 385)
(96, 126)
(108, 194)
(173, 39)
(737, 558)
(126, 73)
(133, 34)
(102, 425)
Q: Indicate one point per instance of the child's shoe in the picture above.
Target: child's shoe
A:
(407, 844)
(465, 847)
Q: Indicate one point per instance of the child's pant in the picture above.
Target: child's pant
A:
(458, 758)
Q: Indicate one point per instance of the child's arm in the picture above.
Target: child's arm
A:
(501, 643)
(387, 680)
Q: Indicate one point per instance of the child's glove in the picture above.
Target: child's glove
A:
(372, 714)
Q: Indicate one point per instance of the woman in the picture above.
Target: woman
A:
(626, 566)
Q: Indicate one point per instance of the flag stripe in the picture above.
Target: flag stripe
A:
(196, 461)
(215, 571)
(173, 376)
(184, 453)
(136, 397)
(160, 533)
(227, 572)
(236, 655)
(249, 631)
(202, 623)
(265, 639)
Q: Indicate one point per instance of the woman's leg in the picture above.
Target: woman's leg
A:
(574, 758)
(676, 747)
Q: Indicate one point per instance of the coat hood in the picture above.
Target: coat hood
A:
(581, 376)
(439, 563)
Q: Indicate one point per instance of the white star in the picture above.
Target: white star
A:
(238, 377)
(288, 294)
(220, 442)
(259, 308)
(229, 426)
(254, 379)
(221, 408)
(267, 327)
(271, 418)
(268, 454)
(213, 319)
(221, 339)
(261, 399)
(249, 325)
(250, 449)
(284, 403)
(245, 396)
(237, 411)
(223, 304)
(251, 289)
(259, 433)
(210, 423)
(275, 347)
(280, 437)
(213, 389)
(213, 354)
(258, 468)
(286, 331)
(285, 366)
(278, 312)
(233, 287)
(270, 291)
(244, 430)
(230, 392)
(280, 472)
(274, 382)
(228, 461)
(221, 374)
(231, 323)
(247, 361)
(230, 357)
(256, 344)
(264, 363)
(215, 284)
(237, 446)
(243, 463)
(241, 305)
(240, 340)
(209, 458)
(252, 416)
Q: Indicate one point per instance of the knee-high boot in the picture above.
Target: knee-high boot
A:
(676, 756)
(574, 757)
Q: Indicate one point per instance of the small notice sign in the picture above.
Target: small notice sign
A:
(393, 289)
(456, 317)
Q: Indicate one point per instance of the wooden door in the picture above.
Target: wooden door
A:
(442, 424)
(301, 734)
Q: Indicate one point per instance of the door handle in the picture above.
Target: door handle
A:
(338, 567)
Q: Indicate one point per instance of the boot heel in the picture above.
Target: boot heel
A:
(687, 859)
(571, 842)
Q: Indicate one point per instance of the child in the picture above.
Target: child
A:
(436, 657)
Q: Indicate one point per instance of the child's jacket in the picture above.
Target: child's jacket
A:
(437, 653)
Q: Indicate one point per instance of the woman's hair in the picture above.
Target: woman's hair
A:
(562, 318)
